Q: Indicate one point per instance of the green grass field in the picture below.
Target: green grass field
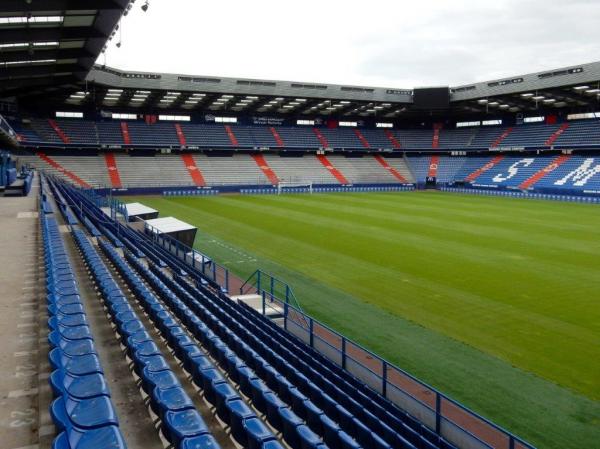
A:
(494, 301)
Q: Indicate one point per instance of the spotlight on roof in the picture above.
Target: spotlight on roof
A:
(145, 6)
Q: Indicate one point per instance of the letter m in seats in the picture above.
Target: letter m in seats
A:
(581, 175)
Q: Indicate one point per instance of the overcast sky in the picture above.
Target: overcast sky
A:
(388, 43)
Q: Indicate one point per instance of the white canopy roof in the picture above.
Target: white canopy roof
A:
(166, 225)
(138, 209)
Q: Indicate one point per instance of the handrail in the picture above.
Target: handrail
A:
(259, 279)
(384, 377)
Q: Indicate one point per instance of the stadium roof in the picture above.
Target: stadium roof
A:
(52, 44)
(575, 87)
(48, 49)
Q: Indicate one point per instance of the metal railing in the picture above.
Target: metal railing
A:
(440, 413)
(264, 283)
(447, 417)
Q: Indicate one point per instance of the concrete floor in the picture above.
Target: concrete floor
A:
(24, 369)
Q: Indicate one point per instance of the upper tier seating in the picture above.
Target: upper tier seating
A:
(581, 133)
(341, 138)
(456, 138)
(43, 129)
(110, 133)
(299, 137)
(414, 138)
(163, 134)
(529, 135)
(80, 131)
(206, 135)
(158, 134)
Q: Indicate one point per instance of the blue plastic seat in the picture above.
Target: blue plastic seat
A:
(108, 437)
(71, 347)
(75, 332)
(178, 425)
(83, 413)
(223, 394)
(159, 379)
(308, 439)
(290, 421)
(171, 399)
(78, 386)
(209, 379)
(200, 442)
(257, 433)
(77, 365)
(238, 412)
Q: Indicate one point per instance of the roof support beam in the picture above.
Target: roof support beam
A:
(20, 6)
(37, 54)
(34, 71)
(17, 35)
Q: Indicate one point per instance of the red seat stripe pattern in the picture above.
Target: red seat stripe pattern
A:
(231, 136)
(496, 143)
(265, 168)
(557, 162)
(63, 170)
(321, 137)
(433, 166)
(113, 170)
(277, 137)
(59, 131)
(556, 134)
(480, 171)
(362, 139)
(334, 171)
(180, 135)
(125, 133)
(193, 170)
(392, 138)
(389, 168)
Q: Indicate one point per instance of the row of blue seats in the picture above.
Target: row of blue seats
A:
(296, 434)
(181, 423)
(333, 394)
(415, 432)
(407, 427)
(328, 375)
(82, 410)
(265, 368)
(246, 428)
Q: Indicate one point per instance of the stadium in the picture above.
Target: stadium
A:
(191, 261)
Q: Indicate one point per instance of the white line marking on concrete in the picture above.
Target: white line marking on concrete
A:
(21, 393)
(25, 353)
(28, 304)
(31, 446)
(21, 325)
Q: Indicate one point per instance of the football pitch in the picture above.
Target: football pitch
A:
(494, 301)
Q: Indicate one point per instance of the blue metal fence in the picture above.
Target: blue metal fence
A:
(528, 195)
